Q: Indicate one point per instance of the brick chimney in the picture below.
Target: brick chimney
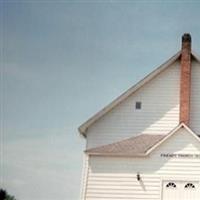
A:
(185, 79)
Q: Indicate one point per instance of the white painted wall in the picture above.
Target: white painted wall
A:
(159, 114)
(115, 177)
(84, 179)
(195, 98)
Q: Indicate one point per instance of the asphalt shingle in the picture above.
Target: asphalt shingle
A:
(133, 146)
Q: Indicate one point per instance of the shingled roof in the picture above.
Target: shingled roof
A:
(134, 146)
(140, 145)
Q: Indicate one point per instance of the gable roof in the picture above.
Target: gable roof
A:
(138, 146)
(83, 128)
(182, 125)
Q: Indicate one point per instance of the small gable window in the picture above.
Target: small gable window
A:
(138, 105)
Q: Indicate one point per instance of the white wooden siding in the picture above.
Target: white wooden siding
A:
(84, 179)
(195, 98)
(159, 113)
(115, 177)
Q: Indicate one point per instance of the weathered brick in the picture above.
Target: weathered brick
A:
(185, 79)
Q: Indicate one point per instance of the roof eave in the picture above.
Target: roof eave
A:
(116, 154)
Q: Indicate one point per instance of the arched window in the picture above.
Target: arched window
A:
(190, 185)
(171, 185)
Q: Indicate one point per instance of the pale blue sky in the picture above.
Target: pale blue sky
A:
(62, 61)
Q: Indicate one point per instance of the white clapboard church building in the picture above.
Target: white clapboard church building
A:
(145, 145)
